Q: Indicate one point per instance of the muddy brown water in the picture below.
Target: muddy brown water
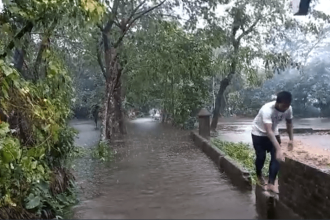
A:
(157, 173)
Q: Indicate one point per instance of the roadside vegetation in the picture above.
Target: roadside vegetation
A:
(243, 154)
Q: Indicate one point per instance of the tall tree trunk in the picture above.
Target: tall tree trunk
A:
(225, 82)
(213, 92)
(219, 100)
(112, 120)
(223, 105)
(108, 116)
(118, 107)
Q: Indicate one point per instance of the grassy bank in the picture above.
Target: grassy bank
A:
(242, 153)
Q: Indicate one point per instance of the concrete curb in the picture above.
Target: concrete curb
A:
(237, 174)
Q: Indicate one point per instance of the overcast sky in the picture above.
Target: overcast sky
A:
(324, 6)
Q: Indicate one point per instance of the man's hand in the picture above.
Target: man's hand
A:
(271, 136)
(290, 145)
(279, 155)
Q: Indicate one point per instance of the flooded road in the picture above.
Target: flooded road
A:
(312, 149)
(239, 130)
(157, 173)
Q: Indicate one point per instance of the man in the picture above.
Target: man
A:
(95, 113)
(266, 138)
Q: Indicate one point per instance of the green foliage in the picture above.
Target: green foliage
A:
(39, 141)
(168, 67)
(41, 200)
(103, 151)
(243, 154)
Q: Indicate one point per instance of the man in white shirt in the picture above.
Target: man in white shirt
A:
(266, 138)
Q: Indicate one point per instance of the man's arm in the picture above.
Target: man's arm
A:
(267, 120)
(289, 126)
(271, 136)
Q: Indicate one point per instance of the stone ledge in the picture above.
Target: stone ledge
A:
(305, 130)
(237, 174)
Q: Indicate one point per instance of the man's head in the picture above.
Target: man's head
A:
(283, 101)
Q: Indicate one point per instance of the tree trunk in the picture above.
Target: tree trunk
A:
(108, 110)
(224, 84)
(220, 96)
(108, 116)
(223, 105)
(112, 120)
(119, 109)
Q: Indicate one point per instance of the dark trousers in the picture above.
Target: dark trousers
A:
(262, 144)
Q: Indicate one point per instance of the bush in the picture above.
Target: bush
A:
(35, 141)
(242, 153)
(103, 151)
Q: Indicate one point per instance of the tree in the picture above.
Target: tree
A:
(169, 69)
(117, 22)
(245, 33)
(35, 102)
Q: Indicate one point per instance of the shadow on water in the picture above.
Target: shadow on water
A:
(157, 173)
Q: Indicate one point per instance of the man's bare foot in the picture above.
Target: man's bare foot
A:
(272, 188)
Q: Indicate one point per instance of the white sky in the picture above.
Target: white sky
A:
(324, 6)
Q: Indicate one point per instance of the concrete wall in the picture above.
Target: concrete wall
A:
(305, 189)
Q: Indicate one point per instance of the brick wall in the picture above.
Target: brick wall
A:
(305, 189)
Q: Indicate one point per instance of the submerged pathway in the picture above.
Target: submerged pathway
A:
(157, 173)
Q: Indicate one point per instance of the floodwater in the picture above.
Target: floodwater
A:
(157, 173)
(239, 130)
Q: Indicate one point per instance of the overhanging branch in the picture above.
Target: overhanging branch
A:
(26, 29)
(114, 11)
(133, 18)
(250, 29)
(99, 59)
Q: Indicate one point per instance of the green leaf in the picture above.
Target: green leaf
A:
(43, 185)
(41, 169)
(4, 129)
(32, 201)
(7, 70)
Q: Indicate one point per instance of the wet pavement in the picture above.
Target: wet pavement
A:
(157, 173)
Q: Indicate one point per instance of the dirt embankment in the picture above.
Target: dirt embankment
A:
(307, 153)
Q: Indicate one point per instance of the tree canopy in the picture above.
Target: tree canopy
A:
(60, 58)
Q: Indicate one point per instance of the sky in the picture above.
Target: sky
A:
(324, 6)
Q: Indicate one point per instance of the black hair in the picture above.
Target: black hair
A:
(284, 97)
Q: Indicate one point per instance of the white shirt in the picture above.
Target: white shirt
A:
(269, 115)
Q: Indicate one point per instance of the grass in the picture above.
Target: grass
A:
(242, 153)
